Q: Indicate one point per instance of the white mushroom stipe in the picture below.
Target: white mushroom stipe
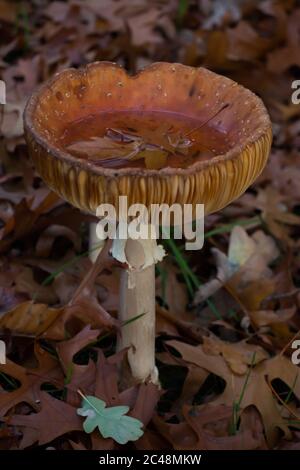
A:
(137, 303)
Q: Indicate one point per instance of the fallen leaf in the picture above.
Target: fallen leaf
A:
(55, 419)
(29, 318)
(268, 317)
(238, 356)
(111, 422)
(257, 391)
(247, 262)
(30, 380)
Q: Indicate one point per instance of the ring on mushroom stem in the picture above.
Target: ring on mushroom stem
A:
(170, 134)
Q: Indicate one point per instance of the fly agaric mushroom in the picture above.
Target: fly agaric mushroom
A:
(170, 134)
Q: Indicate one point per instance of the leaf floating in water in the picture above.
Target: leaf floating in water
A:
(155, 159)
(103, 148)
(123, 139)
(117, 146)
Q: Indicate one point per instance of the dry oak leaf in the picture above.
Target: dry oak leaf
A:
(29, 318)
(48, 370)
(81, 377)
(181, 435)
(211, 425)
(168, 286)
(48, 236)
(146, 401)
(252, 295)
(274, 211)
(206, 428)
(282, 59)
(238, 356)
(247, 261)
(26, 213)
(85, 310)
(257, 392)
(25, 283)
(108, 290)
(84, 305)
(245, 43)
(142, 21)
(88, 309)
(67, 349)
(269, 317)
(55, 419)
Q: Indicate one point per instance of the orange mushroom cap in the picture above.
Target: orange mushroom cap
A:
(212, 101)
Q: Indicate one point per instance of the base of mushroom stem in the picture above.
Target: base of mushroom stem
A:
(137, 305)
(127, 378)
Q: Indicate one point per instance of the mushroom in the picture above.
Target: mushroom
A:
(169, 134)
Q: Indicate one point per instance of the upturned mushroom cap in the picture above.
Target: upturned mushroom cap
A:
(195, 93)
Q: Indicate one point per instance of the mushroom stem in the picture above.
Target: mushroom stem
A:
(137, 304)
